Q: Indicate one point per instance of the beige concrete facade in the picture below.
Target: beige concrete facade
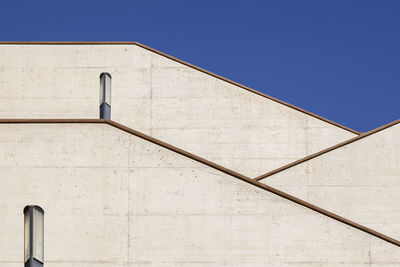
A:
(360, 181)
(178, 104)
(113, 199)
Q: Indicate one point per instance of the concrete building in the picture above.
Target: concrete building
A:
(176, 177)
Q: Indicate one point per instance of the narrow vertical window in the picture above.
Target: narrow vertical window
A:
(105, 96)
(34, 236)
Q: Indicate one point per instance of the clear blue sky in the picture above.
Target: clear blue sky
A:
(339, 59)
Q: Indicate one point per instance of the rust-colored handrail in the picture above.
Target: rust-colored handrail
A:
(217, 167)
(326, 150)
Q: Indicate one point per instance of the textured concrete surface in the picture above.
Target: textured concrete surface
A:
(166, 99)
(112, 199)
(360, 181)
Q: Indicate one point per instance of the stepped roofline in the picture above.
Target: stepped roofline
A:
(189, 65)
(219, 168)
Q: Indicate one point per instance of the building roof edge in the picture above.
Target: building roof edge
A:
(186, 64)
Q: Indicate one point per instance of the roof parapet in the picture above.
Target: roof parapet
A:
(186, 64)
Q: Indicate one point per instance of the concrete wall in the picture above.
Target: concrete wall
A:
(360, 181)
(112, 199)
(166, 99)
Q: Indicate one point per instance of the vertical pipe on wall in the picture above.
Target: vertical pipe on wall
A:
(105, 96)
(34, 236)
